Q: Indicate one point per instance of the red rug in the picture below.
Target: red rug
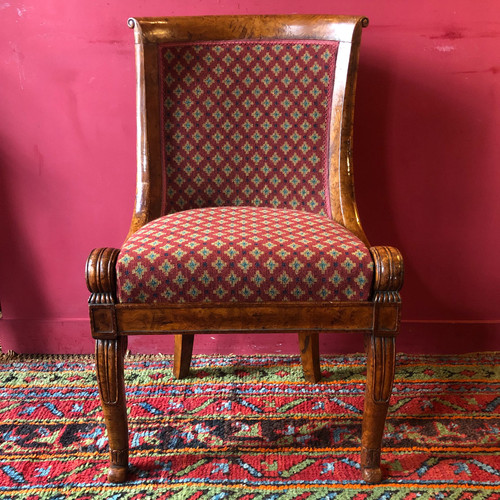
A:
(251, 428)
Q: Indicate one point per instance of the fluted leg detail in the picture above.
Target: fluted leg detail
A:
(380, 353)
(110, 378)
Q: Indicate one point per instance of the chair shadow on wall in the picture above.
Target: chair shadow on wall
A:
(21, 288)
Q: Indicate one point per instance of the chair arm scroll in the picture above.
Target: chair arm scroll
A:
(387, 281)
(100, 273)
(389, 270)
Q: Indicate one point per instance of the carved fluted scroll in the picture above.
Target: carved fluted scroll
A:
(388, 270)
(387, 281)
(380, 353)
(100, 273)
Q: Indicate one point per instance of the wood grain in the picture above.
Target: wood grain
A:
(143, 319)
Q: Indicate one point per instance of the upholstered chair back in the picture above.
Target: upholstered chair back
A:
(246, 123)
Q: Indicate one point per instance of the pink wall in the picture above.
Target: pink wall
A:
(427, 156)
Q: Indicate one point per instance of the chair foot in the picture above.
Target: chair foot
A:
(117, 473)
(371, 476)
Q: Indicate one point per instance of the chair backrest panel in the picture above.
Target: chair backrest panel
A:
(246, 110)
(246, 123)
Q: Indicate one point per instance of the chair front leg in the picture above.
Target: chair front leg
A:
(110, 378)
(380, 352)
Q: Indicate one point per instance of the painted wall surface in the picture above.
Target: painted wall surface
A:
(427, 160)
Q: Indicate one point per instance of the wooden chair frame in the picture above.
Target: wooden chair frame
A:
(377, 318)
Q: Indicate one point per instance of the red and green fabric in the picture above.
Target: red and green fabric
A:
(246, 123)
(243, 254)
(245, 142)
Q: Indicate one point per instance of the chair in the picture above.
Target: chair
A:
(245, 218)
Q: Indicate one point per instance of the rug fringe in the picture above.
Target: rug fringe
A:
(8, 355)
(14, 356)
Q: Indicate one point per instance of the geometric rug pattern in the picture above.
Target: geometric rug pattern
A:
(249, 427)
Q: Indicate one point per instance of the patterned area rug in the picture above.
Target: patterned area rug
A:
(250, 428)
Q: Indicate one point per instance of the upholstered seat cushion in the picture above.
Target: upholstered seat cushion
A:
(243, 254)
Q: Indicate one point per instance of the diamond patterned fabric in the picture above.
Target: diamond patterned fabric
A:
(246, 123)
(243, 254)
